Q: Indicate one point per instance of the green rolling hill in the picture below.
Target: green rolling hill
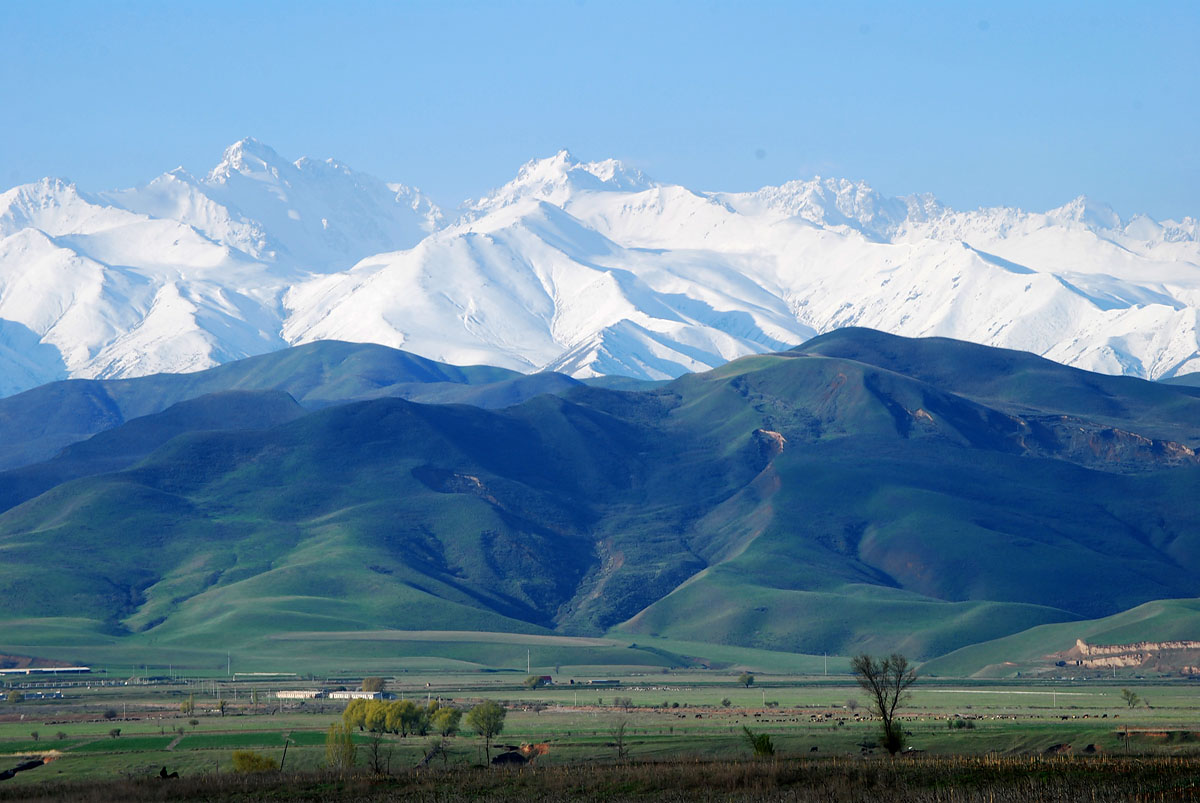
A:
(862, 492)
(36, 424)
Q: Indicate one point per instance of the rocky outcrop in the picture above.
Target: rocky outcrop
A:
(1161, 655)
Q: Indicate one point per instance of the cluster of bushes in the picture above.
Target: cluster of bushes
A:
(251, 761)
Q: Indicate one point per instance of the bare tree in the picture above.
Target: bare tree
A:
(619, 740)
(379, 753)
(887, 680)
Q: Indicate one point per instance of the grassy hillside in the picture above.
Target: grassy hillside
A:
(1160, 620)
(1022, 382)
(798, 502)
(36, 424)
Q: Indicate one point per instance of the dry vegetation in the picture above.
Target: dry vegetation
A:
(872, 780)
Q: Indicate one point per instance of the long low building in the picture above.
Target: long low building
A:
(299, 694)
(355, 695)
(46, 670)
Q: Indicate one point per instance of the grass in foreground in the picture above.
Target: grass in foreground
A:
(878, 780)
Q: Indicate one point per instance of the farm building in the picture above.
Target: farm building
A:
(355, 695)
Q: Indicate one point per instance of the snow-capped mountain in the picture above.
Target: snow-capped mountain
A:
(584, 267)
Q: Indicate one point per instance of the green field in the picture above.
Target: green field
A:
(683, 716)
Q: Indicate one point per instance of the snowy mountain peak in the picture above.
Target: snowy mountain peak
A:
(836, 202)
(248, 156)
(53, 205)
(1092, 214)
(556, 178)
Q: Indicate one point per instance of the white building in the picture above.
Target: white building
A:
(355, 695)
(299, 694)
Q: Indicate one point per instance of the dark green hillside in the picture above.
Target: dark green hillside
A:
(1023, 383)
(36, 424)
(1184, 380)
(801, 501)
(118, 448)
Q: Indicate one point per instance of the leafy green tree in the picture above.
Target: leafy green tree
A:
(887, 681)
(487, 719)
(424, 718)
(445, 721)
(340, 751)
(746, 679)
(355, 715)
(188, 706)
(375, 715)
(1130, 698)
(250, 761)
(15, 696)
(374, 684)
(402, 716)
(533, 681)
(115, 732)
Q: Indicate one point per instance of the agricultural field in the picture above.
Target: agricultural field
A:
(126, 733)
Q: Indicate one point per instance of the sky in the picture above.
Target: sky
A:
(981, 104)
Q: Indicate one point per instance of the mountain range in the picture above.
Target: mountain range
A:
(862, 491)
(582, 268)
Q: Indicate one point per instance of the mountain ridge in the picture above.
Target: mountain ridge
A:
(587, 267)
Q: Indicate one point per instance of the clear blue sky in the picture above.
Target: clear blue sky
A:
(1021, 103)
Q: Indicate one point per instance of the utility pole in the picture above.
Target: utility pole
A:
(826, 664)
(528, 668)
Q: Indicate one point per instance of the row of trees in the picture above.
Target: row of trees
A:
(402, 717)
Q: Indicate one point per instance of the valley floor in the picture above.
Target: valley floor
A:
(676, 736)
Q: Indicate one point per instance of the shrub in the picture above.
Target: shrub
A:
(250, 761)
(760, 743)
